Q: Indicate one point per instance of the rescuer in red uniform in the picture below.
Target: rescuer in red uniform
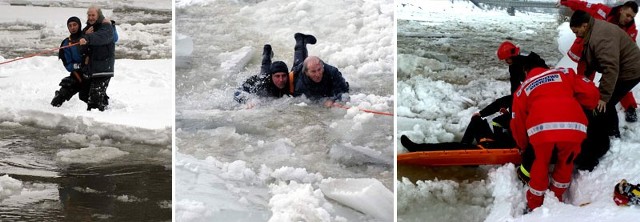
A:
(547, 112)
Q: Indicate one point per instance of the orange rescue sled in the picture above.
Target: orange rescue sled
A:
(479, 156)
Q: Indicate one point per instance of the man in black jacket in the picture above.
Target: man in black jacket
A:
(271, 82)
(315, 79)
(99, 56)
(72, 60)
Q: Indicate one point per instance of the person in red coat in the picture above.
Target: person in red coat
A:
(623, 16)
(547, 113)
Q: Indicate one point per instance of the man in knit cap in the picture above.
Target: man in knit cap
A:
(72, 60)
(270, 82)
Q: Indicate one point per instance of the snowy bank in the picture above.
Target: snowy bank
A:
(140, 105)
(443, 83)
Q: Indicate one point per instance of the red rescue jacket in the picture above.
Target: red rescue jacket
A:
(602, 12)
(575, 53)
(547, 107)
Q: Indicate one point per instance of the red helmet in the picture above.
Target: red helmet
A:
(507, 50)
(575, 52)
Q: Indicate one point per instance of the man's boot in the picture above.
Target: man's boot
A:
(267, 52)
(630, 115)
(615, 133)
(57, 99)
(523, 174)
(98, 98)
(61, 96)
(300, 52)
(304, 39)
(68, 88)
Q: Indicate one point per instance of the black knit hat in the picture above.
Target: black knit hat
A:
(75, 36)
(74, 19)
(278, 66)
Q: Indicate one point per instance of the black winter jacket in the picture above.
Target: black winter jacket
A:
(331, 86)
(100, 48)
(262, 86)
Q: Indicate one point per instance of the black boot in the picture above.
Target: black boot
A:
(57, 99)
(615, 133)
(61, 96)
(305, 39)
(98, 98)
(267, 51)
(630, 115)
(523, 174)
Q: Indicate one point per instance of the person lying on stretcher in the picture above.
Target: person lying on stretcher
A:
(495, 136)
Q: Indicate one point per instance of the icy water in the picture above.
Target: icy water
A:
(460, 46)
(318, 142)
(56, 185)
(464, 53)
(210, 123)
(27, 30)
(456, 173)
(135, 187)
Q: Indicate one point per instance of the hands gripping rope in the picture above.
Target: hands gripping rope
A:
(37, 54)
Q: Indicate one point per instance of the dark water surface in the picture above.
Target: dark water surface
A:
(134, 187)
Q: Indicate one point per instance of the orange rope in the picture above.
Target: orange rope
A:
(39, 53)
(363, 110)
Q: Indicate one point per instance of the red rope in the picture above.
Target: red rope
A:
(39, 53)
(363, 110)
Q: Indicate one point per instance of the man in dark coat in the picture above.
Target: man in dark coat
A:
(622, 16)
(99, 56)
(271, 82)
(610, 51)
(72, 60)
(315, 79)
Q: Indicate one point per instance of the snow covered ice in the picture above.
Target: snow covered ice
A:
(447, 70)
(269, 162)
(70, 163)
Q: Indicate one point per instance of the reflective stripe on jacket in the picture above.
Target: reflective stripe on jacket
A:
(547, 107)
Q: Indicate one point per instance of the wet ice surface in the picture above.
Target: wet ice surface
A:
(142, 30)
(447, 70)
(105, 185)
(267, 162)
(440, 86)
(69, 164)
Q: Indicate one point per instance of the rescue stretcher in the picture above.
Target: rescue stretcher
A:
(472, 156)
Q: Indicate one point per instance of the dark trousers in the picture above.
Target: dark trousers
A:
(266, 64)
(70, 85)
(300, 53)
(621, 89)
(477, 129)
(98, 93)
